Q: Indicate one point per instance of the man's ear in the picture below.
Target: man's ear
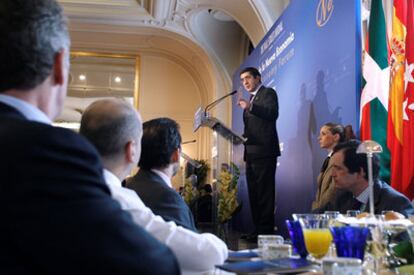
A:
(361, 173)
(59, 68)
(175, 157)
(131, 152)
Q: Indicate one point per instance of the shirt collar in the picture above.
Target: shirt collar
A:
(257, 89)
(164, 177)
(111, 179)
(364, 196)
(28, 110)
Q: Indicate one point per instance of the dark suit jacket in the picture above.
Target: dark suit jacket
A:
(161, 199)
(385, 198)
(57, 216)
(260, 126)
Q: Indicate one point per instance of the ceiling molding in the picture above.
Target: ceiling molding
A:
(162, 27)
(162, 9)
(105, 10)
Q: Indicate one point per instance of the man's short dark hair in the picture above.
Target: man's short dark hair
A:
(354, 162)
(252, 70)
(160, 138)
(110, 131)
(32, 33)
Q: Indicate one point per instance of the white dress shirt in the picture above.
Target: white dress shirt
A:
(253, 94)
(363, 198)
(28, 110)
(195, 252)
(164, 177)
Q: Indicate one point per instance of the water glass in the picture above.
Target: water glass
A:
(297, 216)
(332, 215)
(350, 241)
(353, 213)
(410, 230)
(296, 236)
(341, 266)
(411, 217)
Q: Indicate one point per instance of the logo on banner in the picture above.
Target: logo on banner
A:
(324, 12)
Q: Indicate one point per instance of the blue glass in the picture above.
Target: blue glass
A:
(350, 241)
(296, 236)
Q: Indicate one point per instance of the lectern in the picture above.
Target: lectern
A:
(203, 119)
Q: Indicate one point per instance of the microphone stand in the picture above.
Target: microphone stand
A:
(193, 162)
(188, 141)
(217, 101)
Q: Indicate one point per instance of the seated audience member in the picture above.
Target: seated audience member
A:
(120, 152)
(57, 215)
(350, 174)
(329, 136)
(159, 162)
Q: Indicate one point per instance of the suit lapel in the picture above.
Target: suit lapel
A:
(258, 95)
(153, 177)
(256, 98)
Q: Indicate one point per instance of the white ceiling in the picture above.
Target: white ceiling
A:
(175, 29)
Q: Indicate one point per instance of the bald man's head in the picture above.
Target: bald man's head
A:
(110, 124)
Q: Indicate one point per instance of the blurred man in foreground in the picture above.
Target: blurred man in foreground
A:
(56, 211)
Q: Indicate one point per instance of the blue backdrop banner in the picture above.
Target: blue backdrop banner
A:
(312, 58)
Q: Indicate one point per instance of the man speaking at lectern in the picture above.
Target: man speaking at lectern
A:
(261, 149)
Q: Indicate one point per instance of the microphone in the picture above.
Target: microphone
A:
(188, 141)
(215, 102)
(193, 162)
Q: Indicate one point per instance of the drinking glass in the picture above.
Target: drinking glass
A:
(411, 217)
(332, 215)
(297, 216)
(350, 241)
(316, 233)
(352, 213)
(410, 230)
(296, 236)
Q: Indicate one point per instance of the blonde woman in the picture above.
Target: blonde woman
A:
(329, 135)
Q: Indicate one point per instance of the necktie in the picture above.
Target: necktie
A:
(251, 97)
(356, 204)
(325, 164)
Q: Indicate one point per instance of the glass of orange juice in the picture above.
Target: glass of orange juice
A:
(316, 233)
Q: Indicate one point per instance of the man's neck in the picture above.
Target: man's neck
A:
(37, 97)
(257, 88)
(168, 171)
(359, 188)
(165, 174)
(119, 171)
